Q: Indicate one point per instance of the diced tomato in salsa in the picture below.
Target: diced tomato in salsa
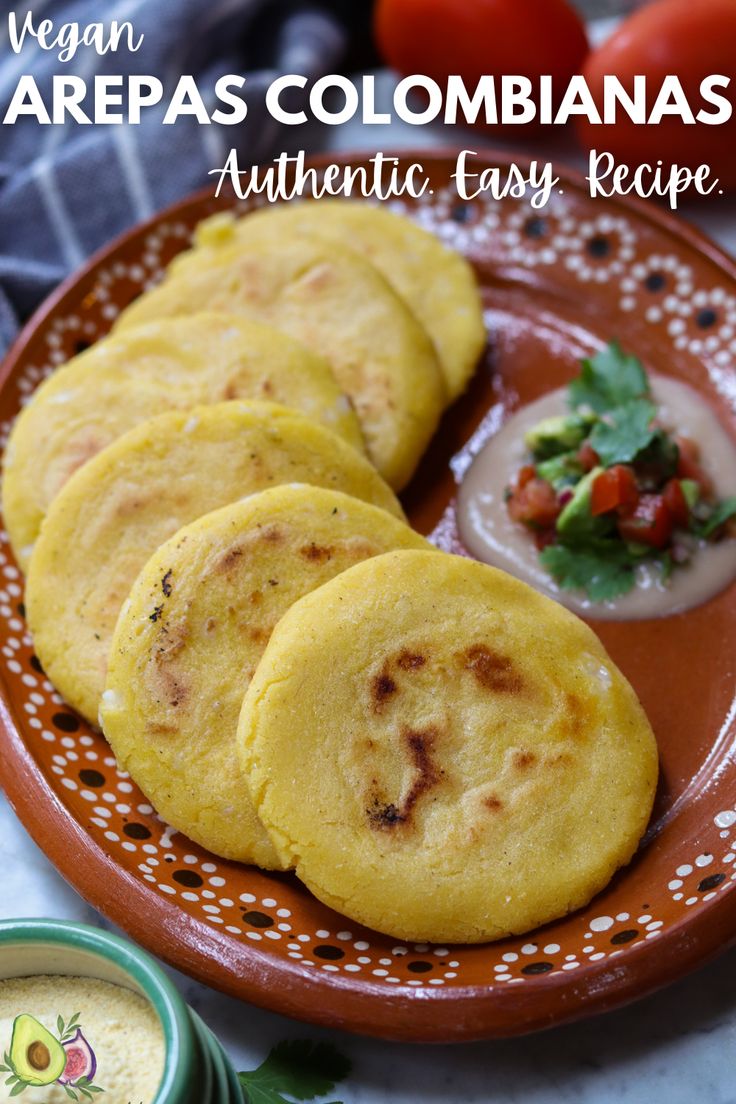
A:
(650, 523)
(533, 502)
(587, 457)
(614, 489)
(526, 474)
(544, 537)
(689, 467)
(676, 503)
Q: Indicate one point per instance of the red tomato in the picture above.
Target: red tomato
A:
(676, 503)
(587, 457)
(650, 523)
(688, 465)
(690, 39)
(526, 474)
(471, 38)
(543, 538)
(534, 503)
(615, 489)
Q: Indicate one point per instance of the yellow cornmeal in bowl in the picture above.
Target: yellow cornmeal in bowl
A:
(120, 1026)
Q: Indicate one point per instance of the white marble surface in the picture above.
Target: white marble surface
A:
(674, 1046)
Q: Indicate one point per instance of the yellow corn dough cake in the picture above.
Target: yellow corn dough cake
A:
(436, 282)
(120, 507)
(188, 641)
(336, 303)
(444, 754)
(138, 373)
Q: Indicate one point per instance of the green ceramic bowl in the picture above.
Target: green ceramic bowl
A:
(196, 1069)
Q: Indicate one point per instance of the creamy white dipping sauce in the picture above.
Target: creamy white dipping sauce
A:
(489, 534)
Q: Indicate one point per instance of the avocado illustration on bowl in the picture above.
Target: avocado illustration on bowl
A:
(35, 1055)
(38, 1058)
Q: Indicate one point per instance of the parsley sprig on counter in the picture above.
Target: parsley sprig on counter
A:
(608, 488)
(299, 1069)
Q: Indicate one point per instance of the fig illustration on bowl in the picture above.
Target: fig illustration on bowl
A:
(80, 1060)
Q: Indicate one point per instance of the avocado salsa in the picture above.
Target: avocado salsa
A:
(607, 487)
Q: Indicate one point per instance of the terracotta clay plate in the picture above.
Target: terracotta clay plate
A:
(556, 282)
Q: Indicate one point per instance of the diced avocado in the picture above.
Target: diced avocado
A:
(552, 436)
(636, 549)
(576, 521)
(35, 1055)
(691, 491)
(561, 471)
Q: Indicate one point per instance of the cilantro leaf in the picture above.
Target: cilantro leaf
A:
(723, 511)
(603, 573)
(609, 379)
(301, 1069)
(624, 432)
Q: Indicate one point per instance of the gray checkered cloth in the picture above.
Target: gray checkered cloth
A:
(66, 190)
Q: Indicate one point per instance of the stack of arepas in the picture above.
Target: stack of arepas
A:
(219, 571)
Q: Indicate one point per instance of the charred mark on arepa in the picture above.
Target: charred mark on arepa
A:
(492, 802)
(316, 553)
(229, 559)
(166, 583)
(575, 716)
(273, 534)
(410, 661)
(383, 687)
(258, 634)
(382, 815)
(157, 612)
(171, 641)
(420, 745)
(491, 670)
(523, 759)
(160, 728)
(175, 691)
